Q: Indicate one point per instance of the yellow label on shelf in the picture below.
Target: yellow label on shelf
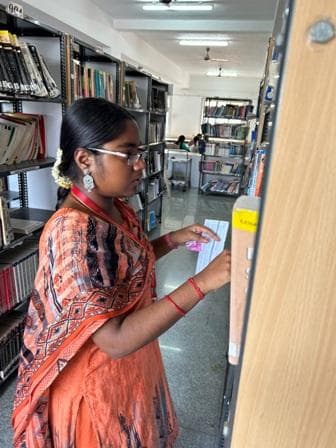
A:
(243, 219)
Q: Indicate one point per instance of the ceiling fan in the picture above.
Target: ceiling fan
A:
(207, 57)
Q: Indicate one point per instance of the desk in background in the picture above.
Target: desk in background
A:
(195, 160)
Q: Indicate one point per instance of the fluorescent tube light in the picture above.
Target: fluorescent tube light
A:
(221, 74)
(205, 43)
(177, 7)
(178, 1)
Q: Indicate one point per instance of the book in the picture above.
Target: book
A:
(6, 230)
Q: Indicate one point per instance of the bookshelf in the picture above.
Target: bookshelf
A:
(135, 97)
(225, 123)
(156, 152)
(282, 392)
(32, 101)
(146, 98)
(260, 146)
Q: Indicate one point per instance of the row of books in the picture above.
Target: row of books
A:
(130, 95)
(154, 162)
(221, 166)
(158, 100)
(221, 186)
(223, 149)
(156, 131)
(222, 130)
(228, 111)
(11, 332)
(23, 70)
(89, 81)
(257, 173)
(17, 272)
(22, 137)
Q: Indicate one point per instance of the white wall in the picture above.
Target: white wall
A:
(186, 106)
(224, 87)
(184, 115)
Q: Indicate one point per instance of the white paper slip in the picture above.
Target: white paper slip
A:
(212, 248)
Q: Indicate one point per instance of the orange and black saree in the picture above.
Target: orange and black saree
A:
(70, 393)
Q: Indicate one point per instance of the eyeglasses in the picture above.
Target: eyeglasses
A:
(132, 159)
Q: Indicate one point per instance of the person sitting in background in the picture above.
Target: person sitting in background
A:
(181, 143)
(193, 144)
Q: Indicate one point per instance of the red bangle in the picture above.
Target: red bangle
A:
(179, 309)
(170, 243)
(193, 283)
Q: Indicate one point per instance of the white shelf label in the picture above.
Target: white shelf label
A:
(15, 10)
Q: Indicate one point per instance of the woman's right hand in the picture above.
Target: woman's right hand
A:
(216, 274)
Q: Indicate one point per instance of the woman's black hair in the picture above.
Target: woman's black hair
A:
(89, 122)
(181, 139)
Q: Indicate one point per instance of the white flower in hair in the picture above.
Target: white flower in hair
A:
(62, 181)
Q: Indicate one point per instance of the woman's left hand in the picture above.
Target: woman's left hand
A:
(195, 232)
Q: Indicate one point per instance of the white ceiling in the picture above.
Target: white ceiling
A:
(247, 24)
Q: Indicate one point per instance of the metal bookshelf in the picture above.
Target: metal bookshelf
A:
(51, 44)
(225, 123)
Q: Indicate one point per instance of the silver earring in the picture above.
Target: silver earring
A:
(88, 181)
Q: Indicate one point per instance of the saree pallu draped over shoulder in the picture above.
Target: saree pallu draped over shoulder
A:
(70, 393)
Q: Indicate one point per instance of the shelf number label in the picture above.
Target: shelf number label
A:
(15, 10)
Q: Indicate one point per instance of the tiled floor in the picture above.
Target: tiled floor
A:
(194, 349)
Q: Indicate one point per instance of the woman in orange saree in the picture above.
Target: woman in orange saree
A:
(91, 373)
